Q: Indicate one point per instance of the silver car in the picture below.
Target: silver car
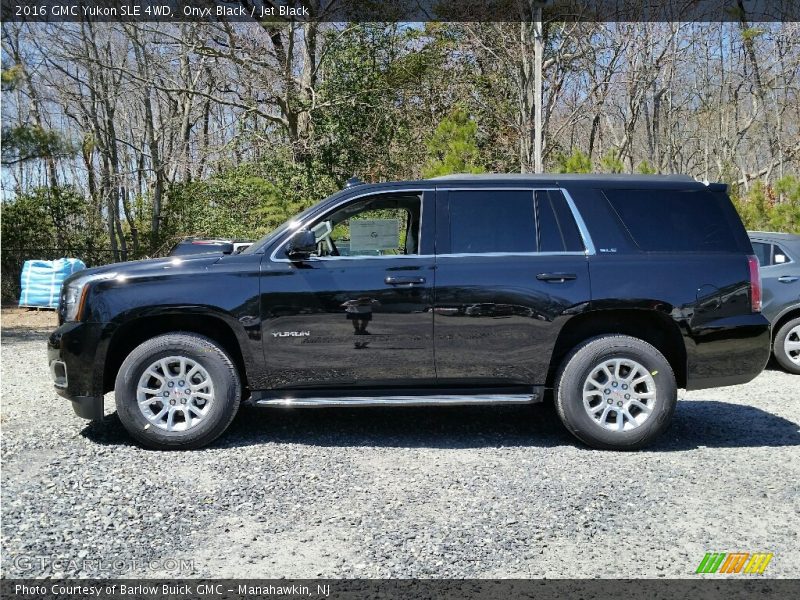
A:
(779, 255)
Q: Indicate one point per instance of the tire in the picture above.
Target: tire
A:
(642, 371)
(211, 384)
(788, 332)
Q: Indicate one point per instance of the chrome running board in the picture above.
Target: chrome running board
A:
(428, 400)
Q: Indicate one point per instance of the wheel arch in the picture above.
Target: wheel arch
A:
(651, 326)
(784, 317)
(135, 331)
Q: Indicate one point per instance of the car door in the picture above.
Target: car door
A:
(355, 315)
(780, 277)
(511, 264)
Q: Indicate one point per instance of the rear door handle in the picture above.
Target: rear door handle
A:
(404, 280)
(788, 278)
(556, 277)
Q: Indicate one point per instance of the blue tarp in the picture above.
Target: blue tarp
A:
(41, 280)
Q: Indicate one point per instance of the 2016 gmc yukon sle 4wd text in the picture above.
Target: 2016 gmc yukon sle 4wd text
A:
(611, 291)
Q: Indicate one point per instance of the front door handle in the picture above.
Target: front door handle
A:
(788, 278)
(404, 280)
(556, 277)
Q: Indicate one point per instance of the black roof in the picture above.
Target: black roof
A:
(615, 177)
(588, 180)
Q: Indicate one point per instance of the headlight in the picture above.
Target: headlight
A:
(73, 296)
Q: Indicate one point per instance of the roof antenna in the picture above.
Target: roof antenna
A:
(353, 182)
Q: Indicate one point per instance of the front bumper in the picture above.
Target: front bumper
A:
(76, 356)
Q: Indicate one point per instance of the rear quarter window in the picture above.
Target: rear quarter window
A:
(677, 221)
(770, 254)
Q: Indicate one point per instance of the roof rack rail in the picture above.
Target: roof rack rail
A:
(563, 176)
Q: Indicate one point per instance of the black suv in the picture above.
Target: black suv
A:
(611, 291)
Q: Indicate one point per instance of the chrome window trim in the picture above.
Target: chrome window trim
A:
(587, 238)
(584, 231)
(361, 257)
(500, 254)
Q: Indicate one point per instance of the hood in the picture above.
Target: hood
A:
(153, 266)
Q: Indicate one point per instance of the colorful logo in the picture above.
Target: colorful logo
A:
(734, 562)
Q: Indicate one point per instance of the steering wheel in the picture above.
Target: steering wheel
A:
(322, 231)
(334, 249)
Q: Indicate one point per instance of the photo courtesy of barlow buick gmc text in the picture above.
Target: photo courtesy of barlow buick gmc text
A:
(421, 299)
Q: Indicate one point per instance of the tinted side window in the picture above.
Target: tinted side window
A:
(558, 231)
(492, 221)
(674, 220)
(779, 256)
(383, 225)
(763, 252)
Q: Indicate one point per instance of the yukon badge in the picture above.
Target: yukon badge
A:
(291, 333)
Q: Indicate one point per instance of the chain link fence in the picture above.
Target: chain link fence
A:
(13, 258)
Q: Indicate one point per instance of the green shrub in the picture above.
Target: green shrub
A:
(771, 208)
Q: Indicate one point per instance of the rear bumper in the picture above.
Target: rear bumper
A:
(727, 351)
(76, 357)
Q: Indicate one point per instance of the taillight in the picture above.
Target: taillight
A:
(755, 284)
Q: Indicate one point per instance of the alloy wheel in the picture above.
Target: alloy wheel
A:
(175, 393)
(791, 345)
(619, 394)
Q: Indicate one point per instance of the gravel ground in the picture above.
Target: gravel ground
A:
(450, 492)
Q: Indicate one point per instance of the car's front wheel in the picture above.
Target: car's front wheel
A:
(616, 392)
(177, 391)
(787, 346)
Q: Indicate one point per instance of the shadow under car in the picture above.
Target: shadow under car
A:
(697, 423)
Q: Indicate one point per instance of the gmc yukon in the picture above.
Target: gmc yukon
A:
(607, 292)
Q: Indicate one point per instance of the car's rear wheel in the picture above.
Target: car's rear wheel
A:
(787, 346)
(176, 391)
(616, 392)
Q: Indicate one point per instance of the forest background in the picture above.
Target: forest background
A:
(121, 138)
